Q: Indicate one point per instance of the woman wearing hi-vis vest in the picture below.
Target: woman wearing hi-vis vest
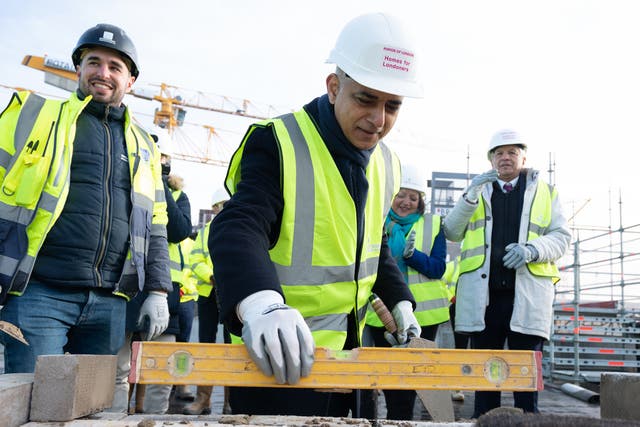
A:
(419, 247)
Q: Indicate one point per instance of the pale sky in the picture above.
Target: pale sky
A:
(564, 73)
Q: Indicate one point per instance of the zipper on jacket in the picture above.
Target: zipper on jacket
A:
(102, 248)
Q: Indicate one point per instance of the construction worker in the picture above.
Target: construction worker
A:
(418, 245)
(156, 397)
(208, 313)
(82, 213)
(512, 230)
(299, 246)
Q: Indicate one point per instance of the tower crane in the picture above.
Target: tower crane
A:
(173, 101)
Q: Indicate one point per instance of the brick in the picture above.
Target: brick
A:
(619, 396)
(67, 387)
(15, 395)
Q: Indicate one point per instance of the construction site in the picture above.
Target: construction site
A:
(587, 374)
(588, 370)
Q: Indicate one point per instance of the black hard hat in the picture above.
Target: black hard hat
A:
(111, 37)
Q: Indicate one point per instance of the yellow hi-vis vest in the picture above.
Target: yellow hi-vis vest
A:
(36, 148)
(188, 283)
(201, 264)
(432, 298)
(473, 252)
(450, 276)
(315, 254)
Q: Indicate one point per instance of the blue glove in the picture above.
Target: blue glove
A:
(409, 245)
(406, 322)
(478, 181)
(154, 310)
(276, 336)
(519, 254)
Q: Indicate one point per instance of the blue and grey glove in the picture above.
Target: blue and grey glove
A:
(478, 181)
(519, 254)
(276, 336)
(155, 312)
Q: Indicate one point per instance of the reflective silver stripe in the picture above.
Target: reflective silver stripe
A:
(362, 311)
(427, 235)
(535, 228)
(432, 304)
(159, 197)
(476, 224)
(18, 214)
(302, 247)
(8, 265)
(389, 175)
(472, 252)
(327, 322)
(139, 245)
(159, 230)
(47, 202)
(197, 251)
(173, 265)
(27, 120)
(145, 203)
(5, 158)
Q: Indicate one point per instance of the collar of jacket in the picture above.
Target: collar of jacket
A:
(102, 110)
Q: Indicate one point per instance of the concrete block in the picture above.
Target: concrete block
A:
(15, 395)
(619, 396)
(70, 386)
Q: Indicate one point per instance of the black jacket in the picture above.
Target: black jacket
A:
(249, 225)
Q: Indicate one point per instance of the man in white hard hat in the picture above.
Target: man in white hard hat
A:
(299, 246)
(507, 272)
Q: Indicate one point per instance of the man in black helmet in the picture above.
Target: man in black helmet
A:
(82, 212)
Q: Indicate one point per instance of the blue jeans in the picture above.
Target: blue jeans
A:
(57, 320)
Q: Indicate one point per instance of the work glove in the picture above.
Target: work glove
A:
(409, 245)
(519, 254)
(155, 312)
(406, 323)
(276, 336)
(478, 181)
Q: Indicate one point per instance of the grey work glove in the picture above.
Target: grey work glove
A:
(406, 322)
(519, 254)
(478, 181)
(276, 336)
(155, 310)
(409, 245)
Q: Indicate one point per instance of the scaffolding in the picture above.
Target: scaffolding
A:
(596, 325)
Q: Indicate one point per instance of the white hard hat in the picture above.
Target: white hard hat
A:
(220, 195)
(377, 51)
(413, 178)
(165, 144)
(505, 137)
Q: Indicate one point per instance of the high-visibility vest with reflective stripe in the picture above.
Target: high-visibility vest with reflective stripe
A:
(473, 246)
(432, 298)
(315, 254)
(201, 264)
(450, 277)
(36, 148)
(188, 283)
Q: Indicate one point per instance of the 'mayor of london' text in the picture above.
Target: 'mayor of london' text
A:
(394, 50)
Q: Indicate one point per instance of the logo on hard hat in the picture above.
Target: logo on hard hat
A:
(396, 59)
(107, 36)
